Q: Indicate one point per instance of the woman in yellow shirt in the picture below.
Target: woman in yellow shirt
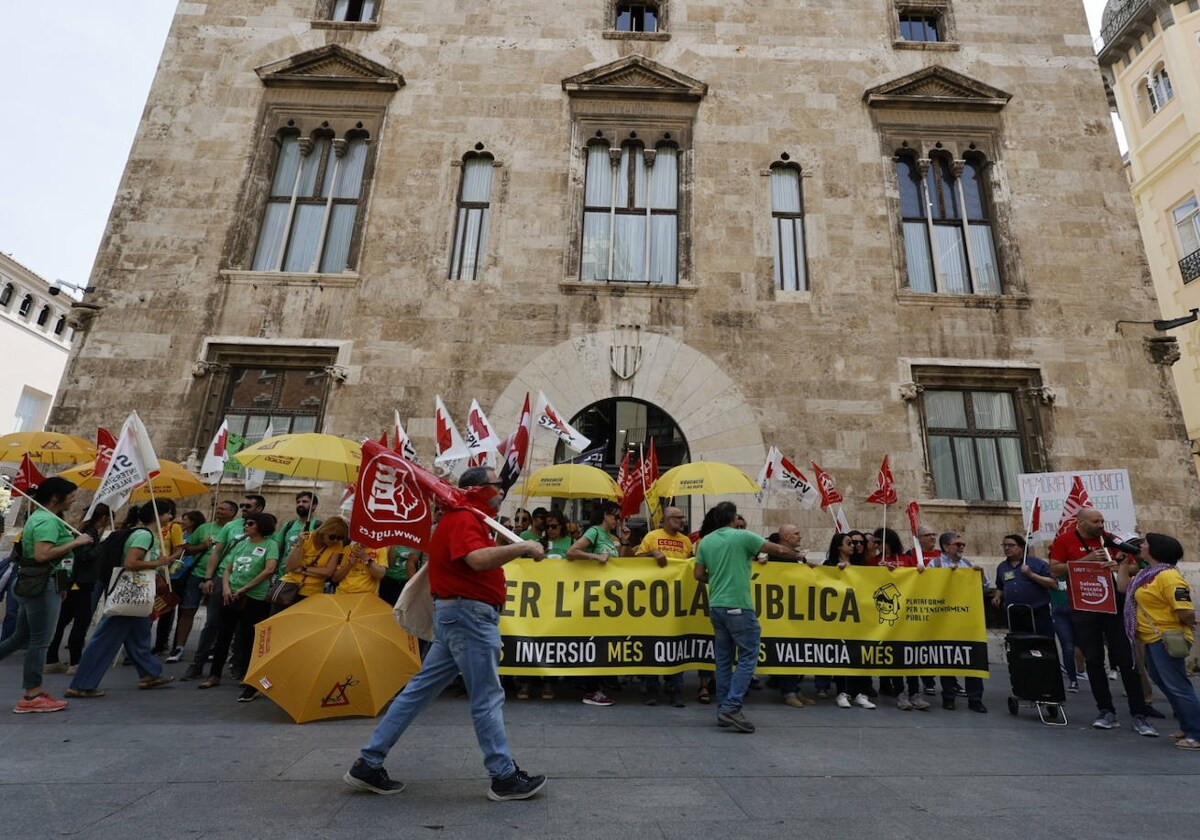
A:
(1158, 602)
(314, 558)
(361, 570)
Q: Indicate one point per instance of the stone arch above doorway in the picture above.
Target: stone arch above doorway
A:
(710, 409)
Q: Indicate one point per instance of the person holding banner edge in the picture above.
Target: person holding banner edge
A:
(1096, 630)
(723, 562)
(466, 576)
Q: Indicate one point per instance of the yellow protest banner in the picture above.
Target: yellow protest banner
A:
(631, 617)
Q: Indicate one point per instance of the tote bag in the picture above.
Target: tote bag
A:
(130, 593)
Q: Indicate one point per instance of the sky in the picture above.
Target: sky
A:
(72, 102)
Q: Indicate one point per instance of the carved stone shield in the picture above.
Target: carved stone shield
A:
(625, 355)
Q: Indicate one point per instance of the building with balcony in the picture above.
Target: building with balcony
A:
(35, 340)
(844, 229)
(1149, 52)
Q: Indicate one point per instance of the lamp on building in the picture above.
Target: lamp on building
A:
(1172, 323)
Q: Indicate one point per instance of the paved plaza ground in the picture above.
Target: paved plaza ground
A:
(182, 763)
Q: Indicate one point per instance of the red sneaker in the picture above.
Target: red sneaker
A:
(42, 703)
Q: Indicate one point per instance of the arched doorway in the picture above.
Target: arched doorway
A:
(621, 424)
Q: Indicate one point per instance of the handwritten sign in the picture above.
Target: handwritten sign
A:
(1108, 491)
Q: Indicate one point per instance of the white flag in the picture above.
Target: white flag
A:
(768, 472)
(255, 478)
(133, 463)
(217, 453)
(547, 417)
(403, 445)
(481, 437)
(787, 474)
(843, 524)
(452, 453)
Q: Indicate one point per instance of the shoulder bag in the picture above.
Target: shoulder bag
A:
(1173, 640)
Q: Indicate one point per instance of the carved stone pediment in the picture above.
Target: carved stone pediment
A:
(939, 88)
(331, 66)
(635, 77)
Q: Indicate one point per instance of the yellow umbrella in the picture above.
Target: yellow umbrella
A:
(309, 455)
(332, 656)
(572, 481)
(708, 477)
(46, 448)
(172, 482)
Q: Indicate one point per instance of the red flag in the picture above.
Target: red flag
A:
(886, 494)
(1076, 501)
(27, 476)
(914, 517)
(630, 479)
(394, 500)
(1035, 516)
(514, 448)
(383, 439)
(829, 491)
(650, 465)
(105, 444)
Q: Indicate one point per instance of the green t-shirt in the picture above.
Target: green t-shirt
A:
(530, 534)
(43, 526)
(231, 534)
(602, 541)
(398, 564)
(247, 563)
(143, 539)
(196, 538)
(558, 547)
(727, 553)
(287, 536)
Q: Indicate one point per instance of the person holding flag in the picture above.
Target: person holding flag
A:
(47, 543)
(466, 576)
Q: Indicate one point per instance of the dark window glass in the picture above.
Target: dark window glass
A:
(919, 27)
(910, 189)
(636, 17)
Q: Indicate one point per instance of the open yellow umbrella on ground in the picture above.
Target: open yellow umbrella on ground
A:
(46, 448)
(572, 481)
(708, 477)
(332, 656)
(172, 482)
(309, 455)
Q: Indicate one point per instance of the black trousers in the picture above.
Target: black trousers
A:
(237, 623)
(77, 611)
(1093, 631)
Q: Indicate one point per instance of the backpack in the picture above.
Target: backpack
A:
(110, 553)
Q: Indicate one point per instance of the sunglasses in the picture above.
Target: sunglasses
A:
(553, 525)
(858, 542)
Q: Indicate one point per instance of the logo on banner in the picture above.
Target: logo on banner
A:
(392, 499)
(888, 603)
(1090, 588)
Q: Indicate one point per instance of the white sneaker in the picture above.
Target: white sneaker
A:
(863, 701)
(843, 700)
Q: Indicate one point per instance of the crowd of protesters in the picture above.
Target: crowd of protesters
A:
(243, 565)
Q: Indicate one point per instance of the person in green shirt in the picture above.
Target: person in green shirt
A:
(723, 562)
(294, 529)
(403, 563)
(45, 541)
(197, 547)
(140, 555)
(246, 574)
(599, 542)
(556, 540)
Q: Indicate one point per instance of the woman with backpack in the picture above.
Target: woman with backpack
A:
(113, 631)
(77, 606)
(46, 544)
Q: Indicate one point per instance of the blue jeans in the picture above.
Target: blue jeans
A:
(36, 620)
(1170, 675)
(110, 634)
(1065, 630)
(467, 641)
(736, 634)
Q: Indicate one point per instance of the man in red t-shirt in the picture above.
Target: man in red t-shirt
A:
(466, 577)
(1094, 630)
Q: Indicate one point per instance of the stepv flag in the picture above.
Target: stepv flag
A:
(215, 456)
(789, 475)
(481, 439)
(28, 476)
(1076, 501)
(886, 492)
(402, 444)
(829, 492)
(547, 417)
(514, 449)
(105, 444)
(452, 452)
(133, 462)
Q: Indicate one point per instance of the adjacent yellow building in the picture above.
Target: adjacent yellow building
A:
(1150, 55)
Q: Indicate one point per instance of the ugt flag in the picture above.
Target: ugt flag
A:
(1076, 501)
(886, 493)
(829, 492)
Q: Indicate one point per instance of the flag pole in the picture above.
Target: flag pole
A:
(642, 471)
(528, 470)
(7, 481)
(162, 549)
(217, 493)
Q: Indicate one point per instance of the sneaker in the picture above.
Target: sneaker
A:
(1073, 687)
(903, 703)
(1083, 677)
(176, 655)
(737, 720)
(793, 701)
(1142, 727)
(36, 705)
(362, 776)
(843, 700)
(1113, 675)
(71, 671)
(822, 694)
(248, 694)
(918, 703)
(930, 690)
(960, 690)
(520, 785)
(806, 700)
(863, 701)
(55, 668)
(597, 698)
(1107, 720)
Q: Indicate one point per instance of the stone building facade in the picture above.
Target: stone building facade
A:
(844, 229)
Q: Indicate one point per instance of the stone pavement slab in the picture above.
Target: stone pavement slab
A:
(183, 763)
